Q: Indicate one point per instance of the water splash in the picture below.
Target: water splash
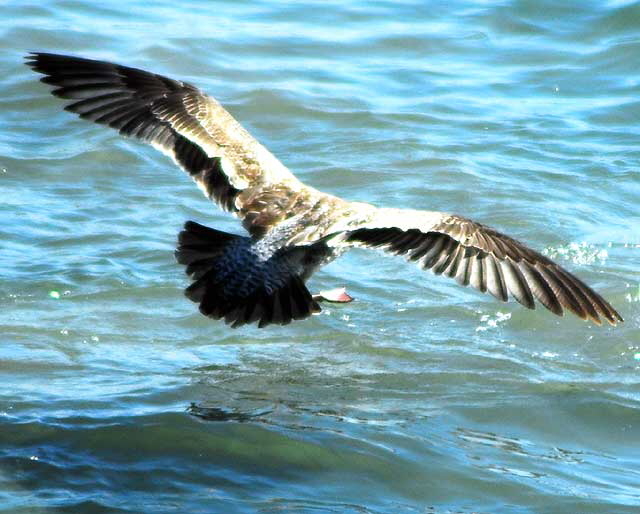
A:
(634, 295)
(492, 322)
(578, 253)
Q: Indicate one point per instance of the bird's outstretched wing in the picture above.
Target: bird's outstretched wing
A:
(479, 256)
(228, 164)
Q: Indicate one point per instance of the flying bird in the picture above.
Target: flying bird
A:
(293, 229)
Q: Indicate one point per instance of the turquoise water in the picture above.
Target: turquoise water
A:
(421, 396)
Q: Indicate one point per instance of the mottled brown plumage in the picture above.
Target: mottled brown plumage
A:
(294, 229)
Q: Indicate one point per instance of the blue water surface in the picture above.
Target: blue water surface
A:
(420, 396)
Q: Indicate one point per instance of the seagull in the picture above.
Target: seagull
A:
(292, 229)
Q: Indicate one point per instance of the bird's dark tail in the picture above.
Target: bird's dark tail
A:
(235, 283)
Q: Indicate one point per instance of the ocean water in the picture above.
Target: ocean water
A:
(421, 396)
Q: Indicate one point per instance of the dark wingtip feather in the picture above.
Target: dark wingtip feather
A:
(496, 264)
(139, 104)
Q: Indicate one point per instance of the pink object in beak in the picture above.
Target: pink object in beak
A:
(338, 295)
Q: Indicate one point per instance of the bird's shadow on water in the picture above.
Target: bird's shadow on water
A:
(299, 401)
(218, 414)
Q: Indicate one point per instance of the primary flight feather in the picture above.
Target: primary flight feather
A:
(293, 228)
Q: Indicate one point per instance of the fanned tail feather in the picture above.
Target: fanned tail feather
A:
(232, 283)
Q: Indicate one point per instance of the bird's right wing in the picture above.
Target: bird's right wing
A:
(174, 117)
(479, 256)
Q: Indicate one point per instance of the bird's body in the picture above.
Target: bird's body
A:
(293, 229)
